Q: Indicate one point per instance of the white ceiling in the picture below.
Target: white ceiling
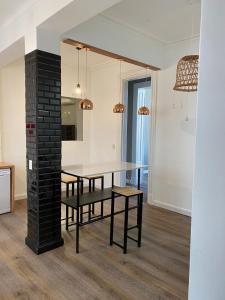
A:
(9, 8)
(166, 20)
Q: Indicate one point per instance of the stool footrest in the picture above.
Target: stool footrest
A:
(84, 213)
(64, 219)
(131, 238)
(117, 244)
(132, 227)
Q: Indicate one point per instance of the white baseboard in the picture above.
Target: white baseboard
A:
(180, 210)
(24, 196)
(21, 196)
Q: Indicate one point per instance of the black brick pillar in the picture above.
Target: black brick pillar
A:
(43, 132)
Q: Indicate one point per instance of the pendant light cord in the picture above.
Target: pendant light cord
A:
(86, 80)
(78, 64)
(121, 81)
(191, 44)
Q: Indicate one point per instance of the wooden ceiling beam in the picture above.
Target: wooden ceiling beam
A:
(109, 54)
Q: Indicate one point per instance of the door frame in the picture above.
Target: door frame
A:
(135, 75)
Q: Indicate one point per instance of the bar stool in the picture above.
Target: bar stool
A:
(91, 184)
(70, 180)
(127, 192)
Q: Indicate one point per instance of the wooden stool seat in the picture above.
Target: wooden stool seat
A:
(127, 191)
(93, 177)
(68, 178)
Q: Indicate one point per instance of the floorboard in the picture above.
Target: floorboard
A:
(156, 271)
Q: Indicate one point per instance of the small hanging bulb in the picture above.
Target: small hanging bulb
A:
(78, 88)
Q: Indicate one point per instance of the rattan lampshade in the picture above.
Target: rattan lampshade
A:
(187, 74)
(119, 108)
(144, 111)
(86, 104)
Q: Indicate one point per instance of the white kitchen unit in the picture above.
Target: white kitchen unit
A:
(4, 191)
(6, 187)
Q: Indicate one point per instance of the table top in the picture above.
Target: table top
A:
(101, 168)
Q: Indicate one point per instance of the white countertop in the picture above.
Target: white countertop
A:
(101, 168)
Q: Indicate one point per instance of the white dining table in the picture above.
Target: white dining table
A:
(101, 168)
(88, 170)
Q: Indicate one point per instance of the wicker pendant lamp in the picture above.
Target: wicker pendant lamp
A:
(120, 107)
(187, 67)
(86, 104)
(187, 74)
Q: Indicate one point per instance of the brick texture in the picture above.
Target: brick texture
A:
(43, 142)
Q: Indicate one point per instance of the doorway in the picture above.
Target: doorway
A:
(136, 130)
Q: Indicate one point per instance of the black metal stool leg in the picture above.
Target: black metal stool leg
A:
(102, 209)
(81, 214)
(125, 225)
(67, 190)
(89, 212)
(72, 210)
(77, 230)
(72, 217)
(112, 218)
(72, 188)
(140, 208)
(67, 212)
(93, 189)
(82, 186)
(102, 203)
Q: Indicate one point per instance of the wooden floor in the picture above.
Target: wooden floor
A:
(158, 270)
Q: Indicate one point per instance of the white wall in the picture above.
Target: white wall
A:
(12, 121)
(175, 137)
(207, 268)
(75, 152)
(172, 170)
(106, 126)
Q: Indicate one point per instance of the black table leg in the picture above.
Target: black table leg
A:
(78, 215)
(139, 179)
(112, 218)
(140, 208)
(125, 225)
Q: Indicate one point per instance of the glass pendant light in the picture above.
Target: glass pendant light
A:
(120, 107)
(78, 89)
(86, 104)
(144, 110)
